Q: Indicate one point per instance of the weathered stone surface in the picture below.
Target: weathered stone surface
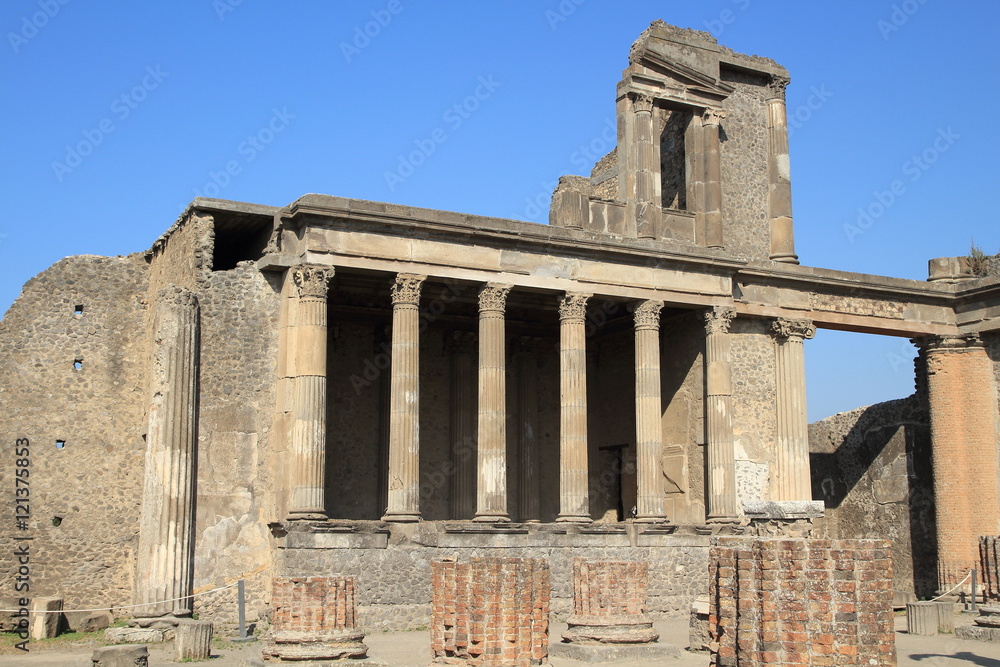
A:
(314, 618)
(135, 635)
(922, 618)
(615, 653)
(46, 617)
(193, 640)
(120, 656)
(698, 637)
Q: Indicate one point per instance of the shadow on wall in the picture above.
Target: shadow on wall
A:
(872, 469)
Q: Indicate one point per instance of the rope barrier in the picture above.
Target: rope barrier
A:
(127, 606)
(956, 587)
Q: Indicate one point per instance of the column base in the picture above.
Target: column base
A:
(651, 518)
(722, 519)
(401, 517)
(788, 259)
(574, 518)
(307, 515)
(491, 518)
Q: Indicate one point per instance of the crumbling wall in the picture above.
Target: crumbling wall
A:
(236, 486)
(754, 399)
(744, 166)
(872, 468)
(85, 427)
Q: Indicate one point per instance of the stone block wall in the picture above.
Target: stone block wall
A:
(491, 611)
(754, 399)
(801, 602)
(872, 468)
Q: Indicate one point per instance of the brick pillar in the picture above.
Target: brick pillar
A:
(609, 603)
(314, 618)
(964, 435)
(801, 602)
(491, 488)
(490, 611)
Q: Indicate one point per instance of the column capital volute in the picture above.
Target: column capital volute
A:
(642, 103)
(785, 329)
(312, 281)
(493, 298)
(406, 289)
(776, 88)
(573, 306)
(712, 117)
(646, 314)
(950, 343)
(718, 319)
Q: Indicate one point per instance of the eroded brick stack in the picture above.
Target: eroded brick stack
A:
(801, 602)
(314, 618)
(490, 611)
(989, 566)
(609, 603)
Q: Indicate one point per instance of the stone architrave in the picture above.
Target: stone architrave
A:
(404, 410)
(962, 395)
(790, 479)
(314, 619)
(710, 121)
(166, 549)
(779, 176)
(648, 430)
(462, 346)
(609, 603)
(574, 501)
(647, 169)
(529, 489)
(721, 497)
(491, 489)
(307, 361)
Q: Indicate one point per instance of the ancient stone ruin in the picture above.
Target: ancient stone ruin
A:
(345, 388)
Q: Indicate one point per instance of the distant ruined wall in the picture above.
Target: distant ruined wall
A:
(91, 485)
(872, 468)
(235, 489)
(754, 398)
(744, 166)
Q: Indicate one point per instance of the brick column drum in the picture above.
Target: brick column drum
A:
(490, 611)
(801, 602)
(963, 406)
(609, 603)
(314, 618)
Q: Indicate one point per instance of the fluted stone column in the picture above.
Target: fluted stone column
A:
(713, 178)
(463, 424)
(574, 502)
(648, 430)
(790, 480)
(529, 490)
(962, 397)
(308, 371)
(721, 498)
(491, 491)
(404, 401)
(647, 169)
(166, 525)
(779, 175)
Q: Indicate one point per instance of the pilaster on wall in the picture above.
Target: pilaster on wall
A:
(965, 432)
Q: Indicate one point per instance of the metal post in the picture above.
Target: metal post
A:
(241, 605)
(972, 603)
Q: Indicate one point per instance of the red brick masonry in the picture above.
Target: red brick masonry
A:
(314, 618)
(801, 602)
(609, 603)
(490, 611)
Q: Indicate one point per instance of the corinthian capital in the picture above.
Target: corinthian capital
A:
(642, 103)
(647, 314)
(493, 298)
(789, 329)
(573, 306)
(718, 319)
(712, 117)
(776, 87)
(406, 289)
(312, 282)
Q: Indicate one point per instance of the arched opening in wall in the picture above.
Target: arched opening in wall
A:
(870, 458)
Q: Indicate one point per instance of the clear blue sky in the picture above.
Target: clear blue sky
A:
(164, 96)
